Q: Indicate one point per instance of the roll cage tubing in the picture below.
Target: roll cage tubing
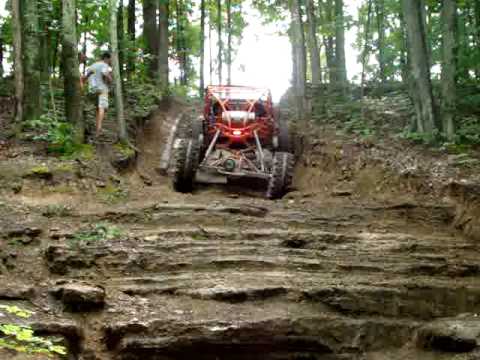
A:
(212, 92)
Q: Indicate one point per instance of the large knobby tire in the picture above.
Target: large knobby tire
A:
(185, 163)
(284, 141)
(282, 175)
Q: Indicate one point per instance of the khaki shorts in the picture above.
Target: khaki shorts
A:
(99, 99)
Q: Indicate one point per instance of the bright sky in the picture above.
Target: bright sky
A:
(264, 57)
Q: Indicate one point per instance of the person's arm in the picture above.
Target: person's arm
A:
(107, 75)
(83, 79)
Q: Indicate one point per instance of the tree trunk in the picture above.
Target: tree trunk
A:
(32, 108)
(448, 16)
(210, 50)
(229, 42)
(366, 48)
(380, 12)
(1, 56)
(477, 37)
(71, 73)
(297, 39)
(403, 49)
(122, 128)
(220, 41)
(181, 45)
(150, 32)
(313, 45)
(341, 75)
(18, 65)
(327, 18)
(121, 37)
(163, 16)
(202, 49)
(420, 67)
(131, 36)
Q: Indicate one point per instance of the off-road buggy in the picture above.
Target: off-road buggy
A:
(238, 136)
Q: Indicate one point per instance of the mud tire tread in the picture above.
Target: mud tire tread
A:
(282, 175)
(185, 163)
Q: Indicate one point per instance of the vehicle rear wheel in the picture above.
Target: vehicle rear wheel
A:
(185, 163)
(284, 144)
(282, 175)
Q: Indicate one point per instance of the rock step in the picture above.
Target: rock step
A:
(315, 337)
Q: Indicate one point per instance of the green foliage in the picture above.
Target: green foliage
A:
(99, 233)
(58, 134)
(56, 210)
(112, 194)
(468, 131)
(21, 338)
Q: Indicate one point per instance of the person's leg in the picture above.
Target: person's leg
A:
(101, 111)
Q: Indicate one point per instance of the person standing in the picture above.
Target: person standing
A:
(99, 76)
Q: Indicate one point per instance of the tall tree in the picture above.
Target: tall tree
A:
(380, 12)
(131, 35)
(150, 33)
(229, 42)
(181, 41)
(121, 36)
(32, 108)
(313, 49)
(202, 48)
(297, 38)
(448, 16)
(71, 74)
(163, 16)
(220, 41)
(1, 55)
(366, 47)
(420, 67)
(326, 18)
(341, 76)
(18, 64)
(122, 128)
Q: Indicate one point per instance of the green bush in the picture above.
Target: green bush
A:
(21, 338)
(58, 134)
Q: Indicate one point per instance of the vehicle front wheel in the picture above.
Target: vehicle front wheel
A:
(282, 175)
(185, 163)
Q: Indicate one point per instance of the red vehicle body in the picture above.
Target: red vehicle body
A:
(223, 106)
(238, 136)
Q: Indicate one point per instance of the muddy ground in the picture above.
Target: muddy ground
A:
(374, 254)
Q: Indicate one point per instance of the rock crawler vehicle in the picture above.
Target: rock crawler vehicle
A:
(237, 137)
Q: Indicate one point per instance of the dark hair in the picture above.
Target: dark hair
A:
(106, 55)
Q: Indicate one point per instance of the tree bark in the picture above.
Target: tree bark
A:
(122, 128)
(229, 42)
(181, 46)
(1, 56)
(163, 16)
(202, 49)
(297, 38)
(380, 12)
(313, 45)
(150, 32)
(419, 66)
(366, 48)
(326, 14)
(341, 75)
(220, 41)
(71, 73)
(131, 35)
(32, 108)
(18, 65)
(448, 16)
(121, 37)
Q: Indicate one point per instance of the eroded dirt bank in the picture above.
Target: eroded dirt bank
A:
(359, 261)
